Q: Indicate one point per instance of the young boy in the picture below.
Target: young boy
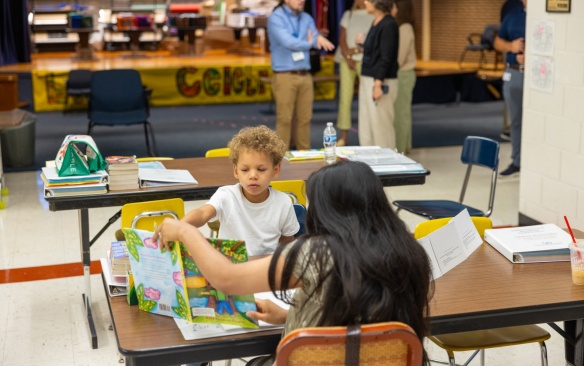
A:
(251, 210)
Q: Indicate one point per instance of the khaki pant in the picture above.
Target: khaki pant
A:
(294, 95)
(402, 121)
(346, 93)
(376, 120)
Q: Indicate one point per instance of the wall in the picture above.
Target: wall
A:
(552, 174)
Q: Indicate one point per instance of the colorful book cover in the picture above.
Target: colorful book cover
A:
(171, 284)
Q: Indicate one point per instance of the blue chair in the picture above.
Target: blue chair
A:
(479, 151)
(119, 98)
(300, 211)
(78, 84)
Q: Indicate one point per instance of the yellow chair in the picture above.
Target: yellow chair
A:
(293, 188)
(144, 215)
(153, 158)
(390, 344)
(426, 227)
(480, 340)
(217, 153)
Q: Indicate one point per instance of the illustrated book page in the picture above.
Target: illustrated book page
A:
(192, 331)
(171, 284)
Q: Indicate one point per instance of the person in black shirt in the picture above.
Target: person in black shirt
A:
(378, 83)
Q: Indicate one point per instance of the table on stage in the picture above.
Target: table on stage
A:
(211, 173)
(485, 291)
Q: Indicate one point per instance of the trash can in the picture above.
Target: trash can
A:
(17, 138)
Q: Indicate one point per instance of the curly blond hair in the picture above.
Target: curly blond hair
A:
(260, 139)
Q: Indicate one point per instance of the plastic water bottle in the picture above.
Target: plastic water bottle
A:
(329, 140)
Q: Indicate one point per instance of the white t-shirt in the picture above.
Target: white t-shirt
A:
(355, 22)
(260, 224)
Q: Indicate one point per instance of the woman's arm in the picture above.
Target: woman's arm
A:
(227, 277)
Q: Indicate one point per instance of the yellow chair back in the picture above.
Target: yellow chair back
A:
(294, 188)
(217, 153)
(153, 158)
(152, 211)
(426, 227)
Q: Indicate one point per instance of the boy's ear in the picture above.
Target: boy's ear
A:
(277, 170)
(235, 171)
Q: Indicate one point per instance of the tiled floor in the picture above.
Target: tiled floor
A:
(42, 322)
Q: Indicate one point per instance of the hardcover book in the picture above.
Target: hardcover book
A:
(170, 283)
(121, 163)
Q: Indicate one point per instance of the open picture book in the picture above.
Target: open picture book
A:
(170, 283)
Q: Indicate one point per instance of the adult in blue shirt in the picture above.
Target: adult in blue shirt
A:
(511, 40)
(292, 33)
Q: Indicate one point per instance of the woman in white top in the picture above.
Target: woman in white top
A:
(404, 15)
(349, 56)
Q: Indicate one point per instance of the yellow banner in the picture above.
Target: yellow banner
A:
(183, 86)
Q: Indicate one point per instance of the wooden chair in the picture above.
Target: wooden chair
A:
(389, 344)
(480, 340)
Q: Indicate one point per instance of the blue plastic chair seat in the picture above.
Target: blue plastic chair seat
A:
(437, 209)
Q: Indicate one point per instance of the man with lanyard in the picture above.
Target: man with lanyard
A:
(511, 40)
(292, 33)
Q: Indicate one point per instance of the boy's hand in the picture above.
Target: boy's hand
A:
(268, 312)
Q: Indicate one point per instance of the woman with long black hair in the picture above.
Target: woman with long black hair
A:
(357, 264)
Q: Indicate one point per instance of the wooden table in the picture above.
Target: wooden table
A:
(485, 291)
(211, 173)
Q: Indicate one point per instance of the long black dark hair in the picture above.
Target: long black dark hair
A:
(379, 271)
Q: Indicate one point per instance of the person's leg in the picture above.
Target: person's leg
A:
(285, 98)
(346, 92)
(403, 110)
(382, 129)
(303, 110)
(367, 111)
(516, 115)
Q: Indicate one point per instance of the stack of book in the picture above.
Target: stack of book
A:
(56, 186)
(115, 268)
(119, 259)
(123, 172)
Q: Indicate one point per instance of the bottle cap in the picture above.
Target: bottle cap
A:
(329, 124)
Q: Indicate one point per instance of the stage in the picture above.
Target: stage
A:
(227, 76)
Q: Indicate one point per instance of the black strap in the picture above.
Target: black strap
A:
(353, 345)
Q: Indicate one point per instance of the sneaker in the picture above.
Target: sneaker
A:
(511, 171)
(505, 135)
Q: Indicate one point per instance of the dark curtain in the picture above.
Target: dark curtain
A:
(14, 33)
(335, 12)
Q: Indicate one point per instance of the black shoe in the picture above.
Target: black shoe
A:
(511, 171)
(505, 135)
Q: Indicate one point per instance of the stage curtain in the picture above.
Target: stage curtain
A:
(14, 33)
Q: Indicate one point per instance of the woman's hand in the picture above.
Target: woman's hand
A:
(360, 39)
(168, 231)
(377, 93)
(268, 312)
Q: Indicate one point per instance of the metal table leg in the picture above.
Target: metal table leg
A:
(86, 261)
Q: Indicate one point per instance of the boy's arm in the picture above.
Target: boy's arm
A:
(200, 216)
(286, 239)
